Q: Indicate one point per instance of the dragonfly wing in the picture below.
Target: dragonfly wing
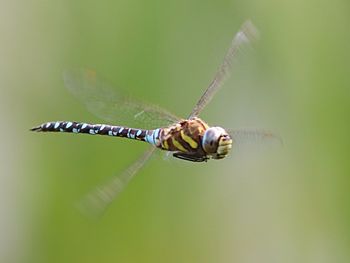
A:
(97, 201)
(254, 136)
(112, 105)
(246, 35)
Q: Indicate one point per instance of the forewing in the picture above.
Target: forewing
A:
(112, 105)
(95, 203)
(246, 35)
(254, 136)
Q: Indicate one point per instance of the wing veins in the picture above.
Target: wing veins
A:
(246, 35)
(107, 103)
(95, 203)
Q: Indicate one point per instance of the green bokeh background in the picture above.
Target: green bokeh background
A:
(286, 206)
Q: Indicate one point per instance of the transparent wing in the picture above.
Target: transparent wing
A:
(254, 136)
(97, 201)
(246, 35)
(109, 104)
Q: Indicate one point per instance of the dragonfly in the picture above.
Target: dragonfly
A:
(190, 139)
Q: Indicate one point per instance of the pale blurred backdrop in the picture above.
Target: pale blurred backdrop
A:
(276, 205)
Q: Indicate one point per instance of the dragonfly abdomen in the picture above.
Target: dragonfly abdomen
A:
(99, 129)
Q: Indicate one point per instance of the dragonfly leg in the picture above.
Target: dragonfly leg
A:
(193, 157)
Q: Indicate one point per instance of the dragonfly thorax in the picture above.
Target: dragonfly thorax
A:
(216, 142)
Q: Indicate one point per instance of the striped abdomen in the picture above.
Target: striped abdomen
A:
(150, 136)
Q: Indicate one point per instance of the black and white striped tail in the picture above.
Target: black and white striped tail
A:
(100, 129)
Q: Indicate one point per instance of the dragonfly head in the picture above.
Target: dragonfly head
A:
(216, 142)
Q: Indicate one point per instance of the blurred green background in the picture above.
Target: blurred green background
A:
(292, 205)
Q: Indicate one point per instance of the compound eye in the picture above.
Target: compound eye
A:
(211, 140)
